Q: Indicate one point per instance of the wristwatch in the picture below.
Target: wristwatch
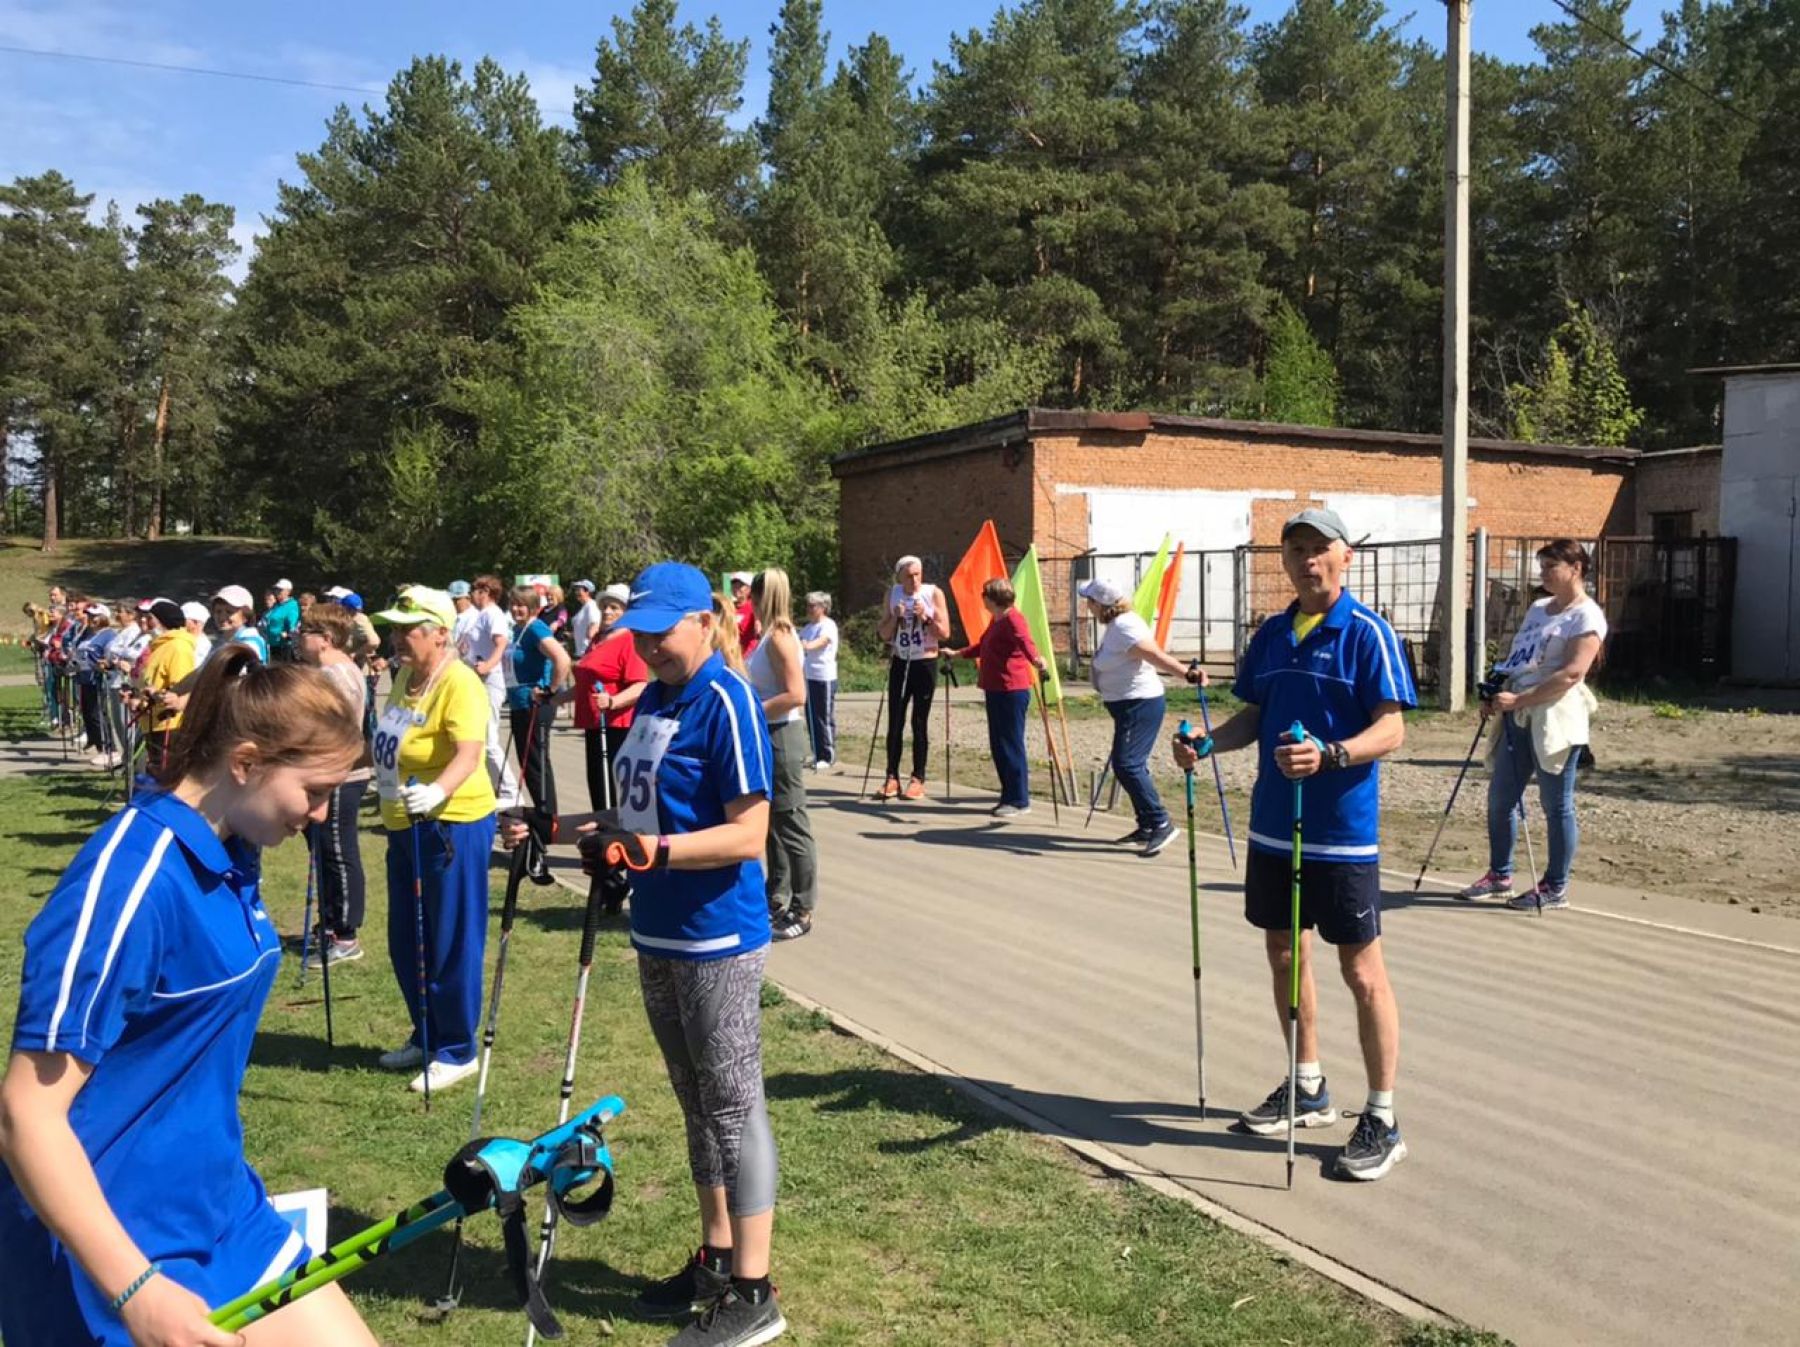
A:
(1334, 757)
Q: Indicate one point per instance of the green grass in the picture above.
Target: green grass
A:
(175, 568)
(908, 1214)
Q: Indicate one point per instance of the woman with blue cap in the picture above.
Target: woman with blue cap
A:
(693, 819)
(126, 1205)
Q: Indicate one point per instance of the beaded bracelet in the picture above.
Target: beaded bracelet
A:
(138, 1285)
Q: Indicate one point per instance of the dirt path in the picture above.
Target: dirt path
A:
(1686, 802)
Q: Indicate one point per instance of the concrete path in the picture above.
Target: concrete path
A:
(1596, 1103)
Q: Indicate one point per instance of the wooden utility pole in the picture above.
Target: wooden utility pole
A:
(1453, 563)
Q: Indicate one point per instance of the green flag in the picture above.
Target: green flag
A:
(1028, 594)
(1149, 589)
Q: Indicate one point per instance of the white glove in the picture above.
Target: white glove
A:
(421, 800)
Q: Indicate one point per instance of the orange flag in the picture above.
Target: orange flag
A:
(1165, 604)
(981, 563)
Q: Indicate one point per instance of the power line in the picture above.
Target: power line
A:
(1619, 40)
(193, 70)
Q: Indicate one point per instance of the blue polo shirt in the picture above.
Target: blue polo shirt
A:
(150, 962)
(250, 636)
(280, 623)
(1331, 683)
(531, 667)
(719, 753)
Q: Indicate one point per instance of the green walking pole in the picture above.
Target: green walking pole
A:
(1296, 732)
(1185, 737)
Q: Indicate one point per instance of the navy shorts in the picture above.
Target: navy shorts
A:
(1341, 898)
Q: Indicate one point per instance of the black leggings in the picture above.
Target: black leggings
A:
(88, 695)
(531, 731)
(915, 681)
(599, 774)
(342, 888)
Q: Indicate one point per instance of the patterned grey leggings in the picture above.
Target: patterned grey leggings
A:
(707, 1018)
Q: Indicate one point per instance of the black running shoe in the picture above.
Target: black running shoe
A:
(1160, 838)
(793, 924)
(732, 1321)
(1135, 838)
(689, 1291)
(1315, 1110)
(1375, 1147)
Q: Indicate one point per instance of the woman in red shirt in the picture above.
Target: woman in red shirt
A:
(1010, 668)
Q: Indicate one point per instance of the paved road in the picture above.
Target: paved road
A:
(1596, 1107)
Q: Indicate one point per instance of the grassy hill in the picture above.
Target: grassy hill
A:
(106, 568)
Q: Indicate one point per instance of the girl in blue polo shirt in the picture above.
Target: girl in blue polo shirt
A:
(693, 818)
(126, 1204)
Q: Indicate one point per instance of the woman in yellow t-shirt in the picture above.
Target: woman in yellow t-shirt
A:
(438, 807)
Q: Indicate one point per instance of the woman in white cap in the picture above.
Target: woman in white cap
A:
(741, 602)
(584, 616)
(281, 621)
(819, 639)
(438, 807)
(913, 621)
(1125, 669)
(232, 613)
(194, 616)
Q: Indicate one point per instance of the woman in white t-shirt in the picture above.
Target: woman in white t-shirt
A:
(1125, 675)
(819, 639)
(1542, 681)
(914, 620)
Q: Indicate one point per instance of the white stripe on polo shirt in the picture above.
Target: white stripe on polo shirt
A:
(89, 901)
(737, 730)
(225, 982)
(1318, 848)
(731, 941)
(1382, 630)
(148, 873)
(283, 1259)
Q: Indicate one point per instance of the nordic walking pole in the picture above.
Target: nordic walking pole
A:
(413, 823)
(1537, 887)
(1468, 761)
(1099, 784)
(869, 766)
(514, 876)
(306, 921)
(1218, 775)
(590, 930)
(1050, 751)
(1185, 735)
(1297, 732)
(949, 683)
(312, 858)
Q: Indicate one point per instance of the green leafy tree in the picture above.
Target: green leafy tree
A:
(1580, 395)
(663, 97)
(386, 280)
(1300, 384)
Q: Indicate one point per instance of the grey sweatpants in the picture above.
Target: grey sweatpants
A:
(793, 858)
(707, 1018)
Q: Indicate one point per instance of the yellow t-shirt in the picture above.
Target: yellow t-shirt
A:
(1304, 624)
(170, 660)
(454, 711)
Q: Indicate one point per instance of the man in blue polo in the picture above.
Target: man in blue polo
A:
(1336, 668)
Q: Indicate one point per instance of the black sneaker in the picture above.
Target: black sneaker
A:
(732, 1321)
(1375, 1147)
(792, 925)
(1314, 1110)
(1135, 838)
(1156, 841)
(689, 1291)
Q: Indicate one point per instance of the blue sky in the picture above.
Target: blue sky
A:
(132, 135)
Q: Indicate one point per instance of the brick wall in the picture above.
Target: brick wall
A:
(1683, 479)
(930, 509)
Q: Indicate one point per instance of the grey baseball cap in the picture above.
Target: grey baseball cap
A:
(1325, 521)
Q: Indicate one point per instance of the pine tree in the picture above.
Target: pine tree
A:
(1300, 384)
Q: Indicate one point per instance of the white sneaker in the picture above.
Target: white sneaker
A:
(443, 1075)
(402, 1059)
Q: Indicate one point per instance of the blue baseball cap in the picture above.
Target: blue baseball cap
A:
(457, 589)
(352, 601)
(663, 594)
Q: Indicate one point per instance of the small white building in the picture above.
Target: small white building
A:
(1759, 505)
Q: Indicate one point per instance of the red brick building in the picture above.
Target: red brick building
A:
(1078, 483)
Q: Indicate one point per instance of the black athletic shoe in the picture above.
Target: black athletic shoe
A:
(793, 924)
(1315, 1110)
(1158, 840)
(732, 1321)
(1135, 838)
(689, 1291)
(1375, 1147)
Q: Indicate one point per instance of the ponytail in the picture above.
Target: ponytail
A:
(291, 712)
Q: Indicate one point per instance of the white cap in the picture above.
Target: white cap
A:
(235, 596)
(284, 584)
(97, 610)
(338, 592)
(742, 578)
(195, 612)
(620, 594)
(1103, 592)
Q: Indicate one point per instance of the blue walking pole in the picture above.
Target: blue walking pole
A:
(418, 869)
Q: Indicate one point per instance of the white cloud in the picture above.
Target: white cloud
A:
(91, 29)
(553, 85)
